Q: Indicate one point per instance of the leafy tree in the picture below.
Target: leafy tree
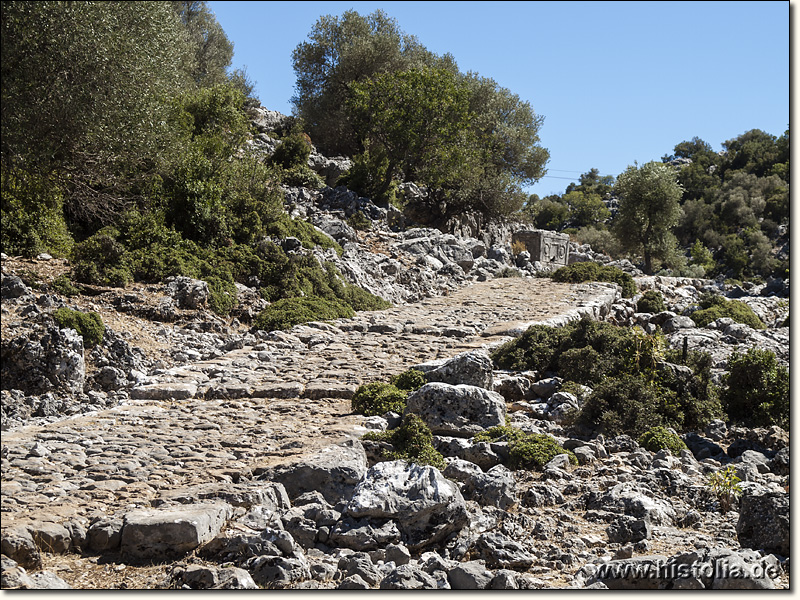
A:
(341, 51)
(585, 208)
(592, 182)
(210, 51)
(421, 119)
(507, 135)
(83, 97)
(648, 209)
(754, 152)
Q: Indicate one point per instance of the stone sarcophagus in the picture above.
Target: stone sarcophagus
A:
(547, 247)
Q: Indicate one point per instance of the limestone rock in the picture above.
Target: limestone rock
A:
(426, 506)
(171, 532)
(457, 410)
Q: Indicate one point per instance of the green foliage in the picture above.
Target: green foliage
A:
(32, 215)
(584, 351)
(293, 151)
(360, 221)
(549, 213)
(651, 302)
(714, 307)
(368, 175)
(88, 325)
(633, 388)
(409, 381)
(84, 90)
(725, 485)
(62, 285)
(339, 51)
(630, 404)
(756, 389)
(376, 399)
(585, 209)
(420, 119)
(526, 450)
(99, 260)
(649, 208)
(592, 271)
(506, 272)
(601, 240)
(210, 51)
(412, 442)
(368, 90)
(535, 450)
(286, 313)
(702, 257)
(658, 438)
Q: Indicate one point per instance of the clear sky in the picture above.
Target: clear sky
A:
(617, 82)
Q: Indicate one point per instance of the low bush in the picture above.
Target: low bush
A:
(286, 313)
(725, 486)
(412, 442)
(526, 450)
(63, 285)
(88, 325)
(658, 438)
(592, 271)
(756, 389)
(409, 381)
(536, 450)
(506, 272)
(630, 404)
(378, 398)
(583, 351)
(714, 307)
(651, 302)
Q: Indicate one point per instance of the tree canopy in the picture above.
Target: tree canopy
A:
(483, 145)
(649, 207)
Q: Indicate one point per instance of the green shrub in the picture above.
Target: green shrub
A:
(585, 350)
(409, 381)
(301, 176)
(714, 307)
(285, 226)
(99, 260)
(500, 433)
(725, 485)
(293, 151)
(32, 214)
(88, 325)
(630, 404)
(286, 313)
(506, 272)
(535, 450)
(658, 438)
(367, 177)
(651, 302)
(63, 285)
(756, 389)
(360, 221)
(222, 295)
(412, 442)
(526, 450)
(592, 271)
(378, 398)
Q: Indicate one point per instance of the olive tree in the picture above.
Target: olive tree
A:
(341, 51)
(649, 207)
(85, 96)
(421, 120)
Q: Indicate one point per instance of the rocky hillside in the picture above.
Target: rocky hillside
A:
(184, 450)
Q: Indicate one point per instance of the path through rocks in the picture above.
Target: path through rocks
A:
(227, 419)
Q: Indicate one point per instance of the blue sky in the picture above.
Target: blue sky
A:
(616, 82)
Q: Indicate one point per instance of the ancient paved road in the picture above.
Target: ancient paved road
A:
(220, 420)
